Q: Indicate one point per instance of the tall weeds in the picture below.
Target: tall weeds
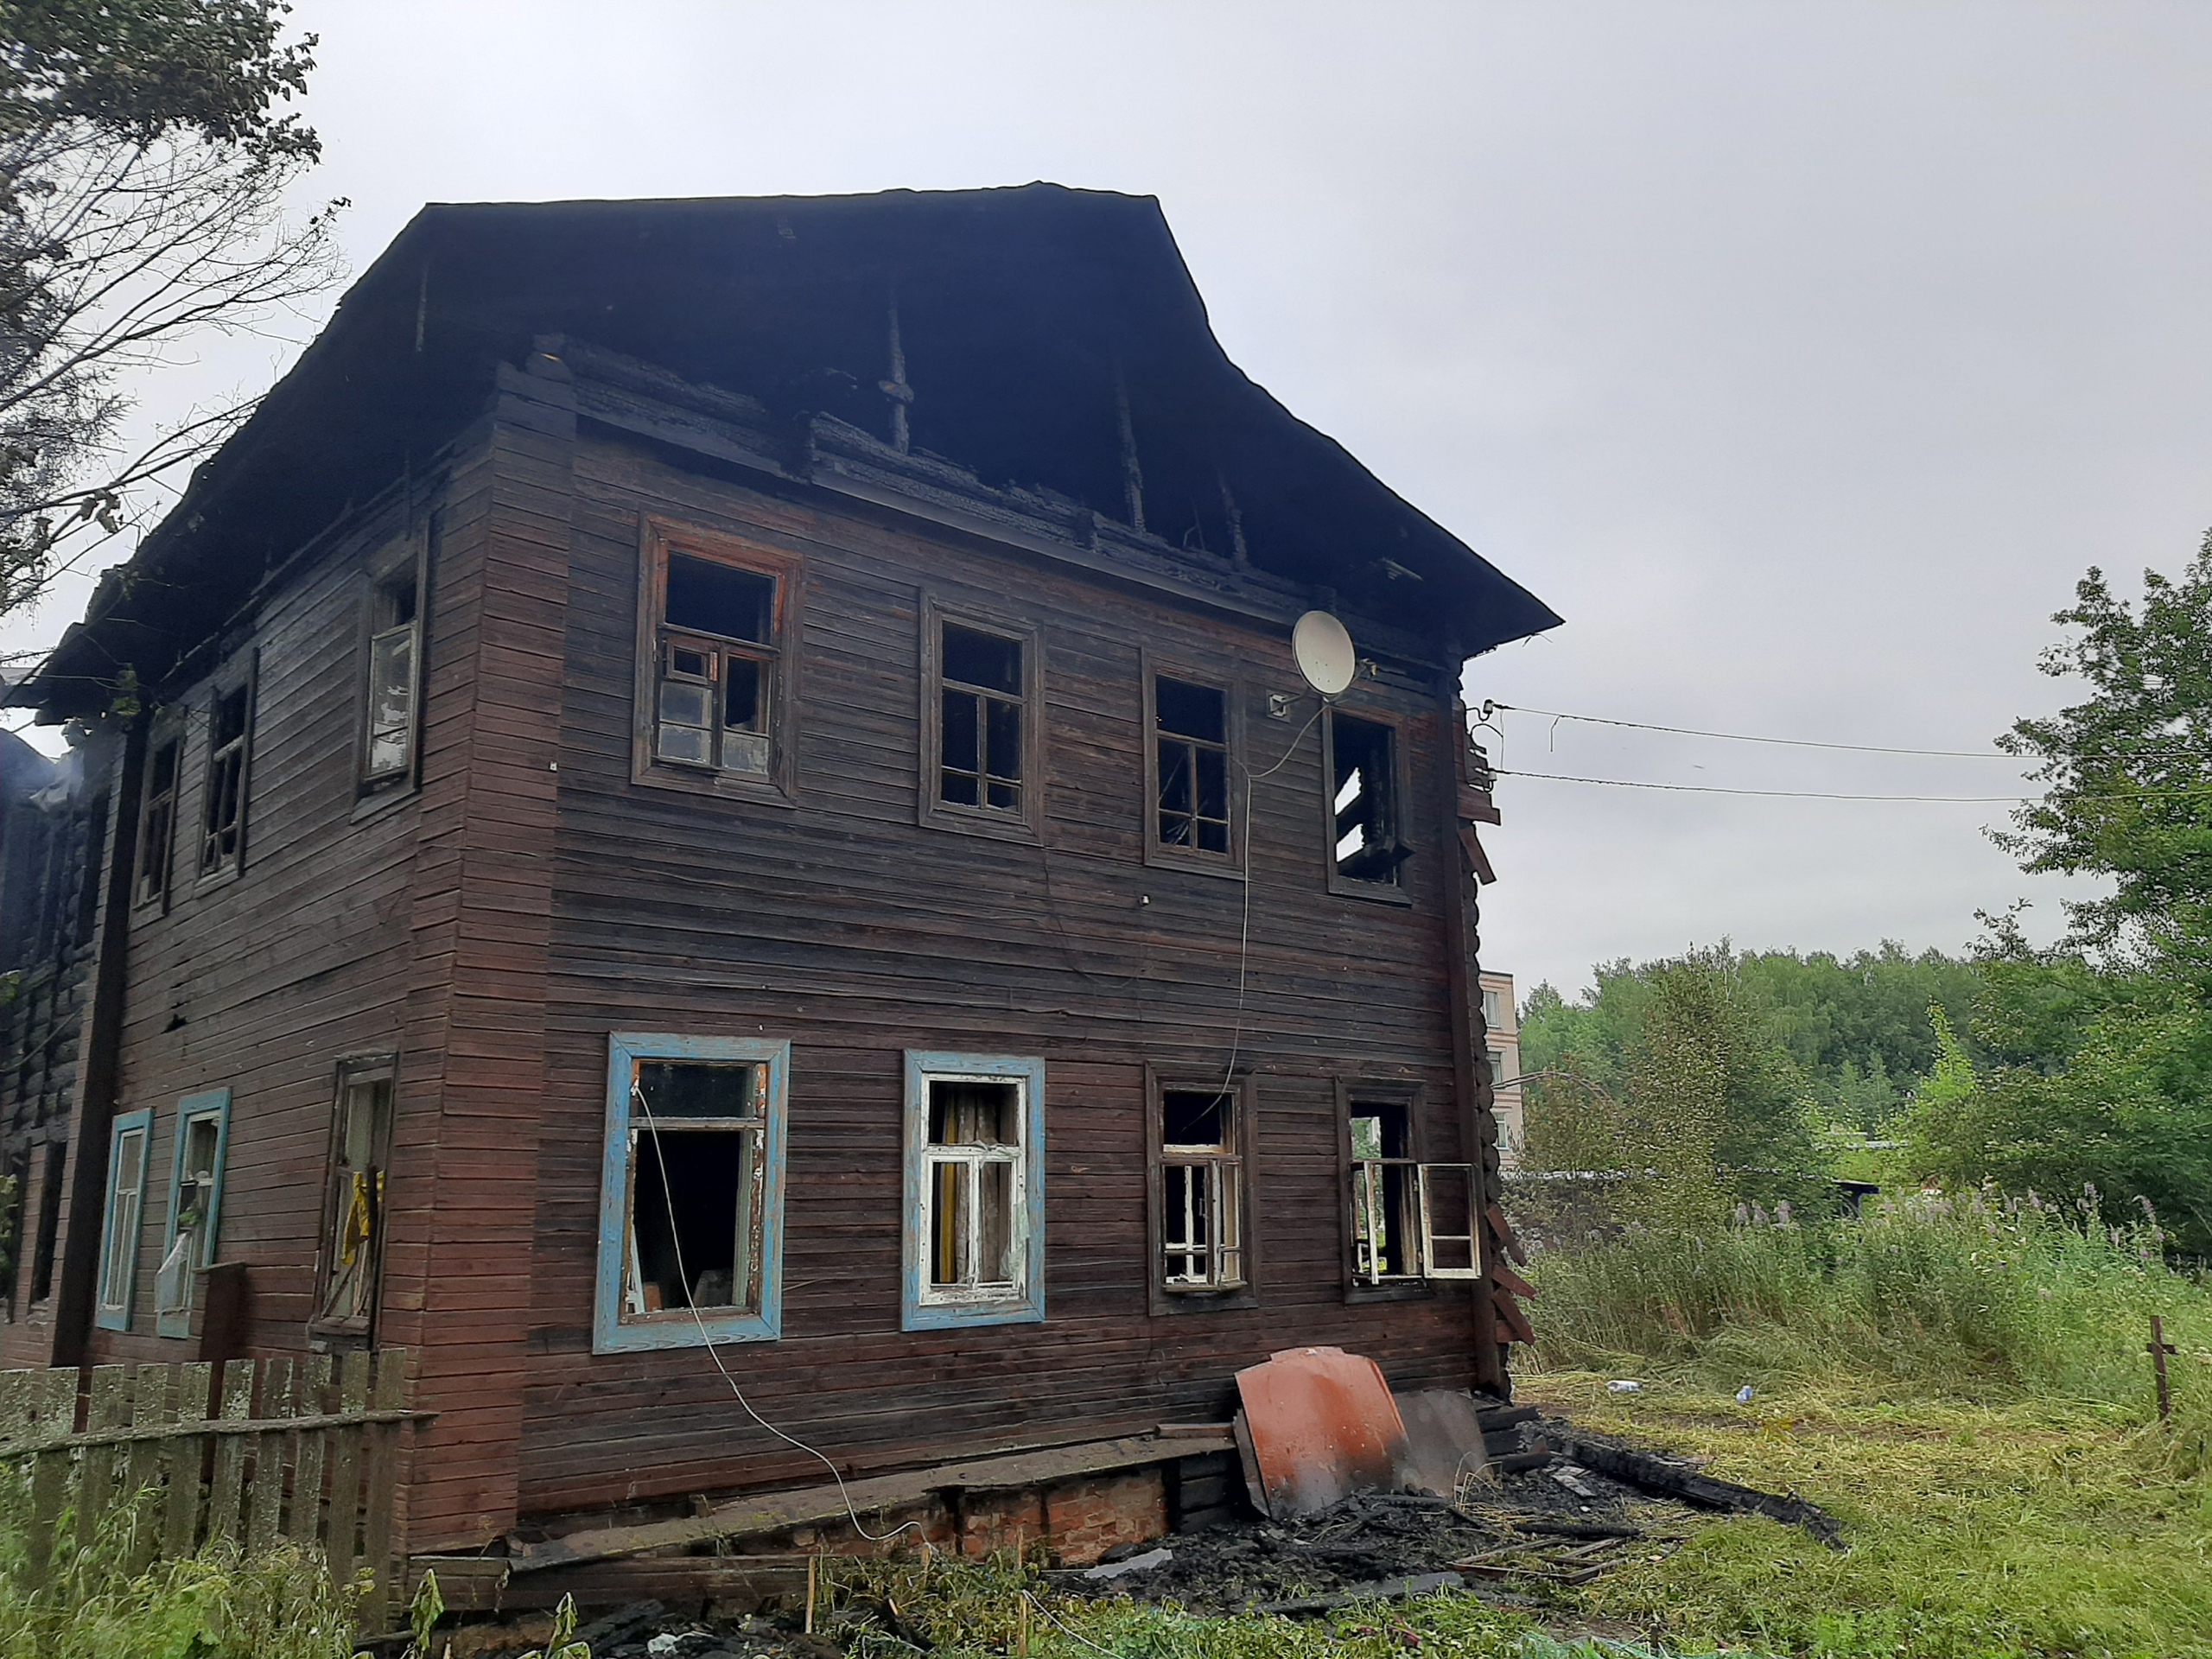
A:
(1975, 1295)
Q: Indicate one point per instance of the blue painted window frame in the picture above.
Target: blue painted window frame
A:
(611, 1333)
(116, 1316)
(211, 1102)
(1026, 1306)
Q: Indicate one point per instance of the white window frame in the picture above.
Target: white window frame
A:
(120, 1224)
(616, 1326)
(924, 1305)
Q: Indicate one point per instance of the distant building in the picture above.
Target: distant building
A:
(1502, 1024)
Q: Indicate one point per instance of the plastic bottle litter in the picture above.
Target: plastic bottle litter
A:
(1743, 1395)
(1623, 1386)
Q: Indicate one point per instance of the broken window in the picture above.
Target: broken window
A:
(718, 650)
(195, 1204)
(694, 1185)
(1190, 763)
(1201, 1190)
(350, 1270)
(222, 829)
(982, 694)
(157, 819)
(1410, 1220)
(395, 675)
(975, 1212)
(1365, 832)
(126, 1198)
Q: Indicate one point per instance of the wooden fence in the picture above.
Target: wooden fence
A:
(250, 1452)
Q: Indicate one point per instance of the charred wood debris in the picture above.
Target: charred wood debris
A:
(1555, 1506)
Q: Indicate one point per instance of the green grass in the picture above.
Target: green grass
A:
(219, 1604)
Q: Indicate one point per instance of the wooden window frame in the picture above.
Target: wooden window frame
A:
(357, 1329)
(410, 558)
(228, 866)
(1027, 825)
(1387, 892)
(214, 1103)
(614, 1330)
(1160, 854)
(167, 730)
(1198, 1299)
(921, 1308)
(658, 538)
(112, 1313)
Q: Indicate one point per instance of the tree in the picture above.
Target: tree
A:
(2128, 773)
(144, 163)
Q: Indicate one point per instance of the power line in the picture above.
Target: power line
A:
(1772, 794)
(1741, 737)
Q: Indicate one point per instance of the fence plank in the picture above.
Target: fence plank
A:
(225, 1502)
(153, 1402)
(388, 1393)
(343, 1534)
(314, 1447)
(184, 1459)
(265, 1486)
(56, 1405)
(18, 1409)
(96, 1470)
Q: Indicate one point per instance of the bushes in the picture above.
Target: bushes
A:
(1970, 1295)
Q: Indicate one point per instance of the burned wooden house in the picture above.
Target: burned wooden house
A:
(716, 796)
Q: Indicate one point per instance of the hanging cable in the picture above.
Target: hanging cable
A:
(1489, 705)
(676, 1240)
(1822, 795)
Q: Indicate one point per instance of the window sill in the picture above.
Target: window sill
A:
(1168, 1301)
(942, 1316)
(221, 878)
(1375, 892)
(1405, 1290)
(678, 1329)
(715, 785)
(981, 821)
(1220, 866)
(373, 803)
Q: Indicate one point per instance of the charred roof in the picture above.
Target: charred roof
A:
(1041, 328)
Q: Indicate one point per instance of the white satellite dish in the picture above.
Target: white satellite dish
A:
(1325, 652)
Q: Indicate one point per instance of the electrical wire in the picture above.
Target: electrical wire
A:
(1244, 920)
(676, 1240)
(1823, 795)
(1489, 704)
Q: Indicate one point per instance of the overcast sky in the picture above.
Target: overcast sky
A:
(1802, 357)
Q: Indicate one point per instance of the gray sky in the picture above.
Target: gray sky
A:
(1801, 356)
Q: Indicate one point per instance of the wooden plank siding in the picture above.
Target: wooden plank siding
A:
(841, 925)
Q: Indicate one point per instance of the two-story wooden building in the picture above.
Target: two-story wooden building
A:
(721, 787)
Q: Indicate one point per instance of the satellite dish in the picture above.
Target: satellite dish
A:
(1325, 652)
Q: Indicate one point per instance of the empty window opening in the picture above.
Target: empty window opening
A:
(354, 1215)
(395, 660)
(157, 830)
(1365, 798)
(717, 651)
(222, 820)
(194, 1200)
(973, 1170)
(126, 1194)
(697, 1179)
(982, 693)
(1202, 1191)
(1191, 738)
(15, 1202)
(1410, 1220)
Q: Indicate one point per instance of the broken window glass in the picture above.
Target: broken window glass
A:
(1410, 1220)
(222, 816)
(718, 650)
(353, 1213)
(1190, 734)
(696, 1182)
(1202, 1191)
(395, 654)
(973, 1178)
(1364, 800)
(982, 693)
(157, 825)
